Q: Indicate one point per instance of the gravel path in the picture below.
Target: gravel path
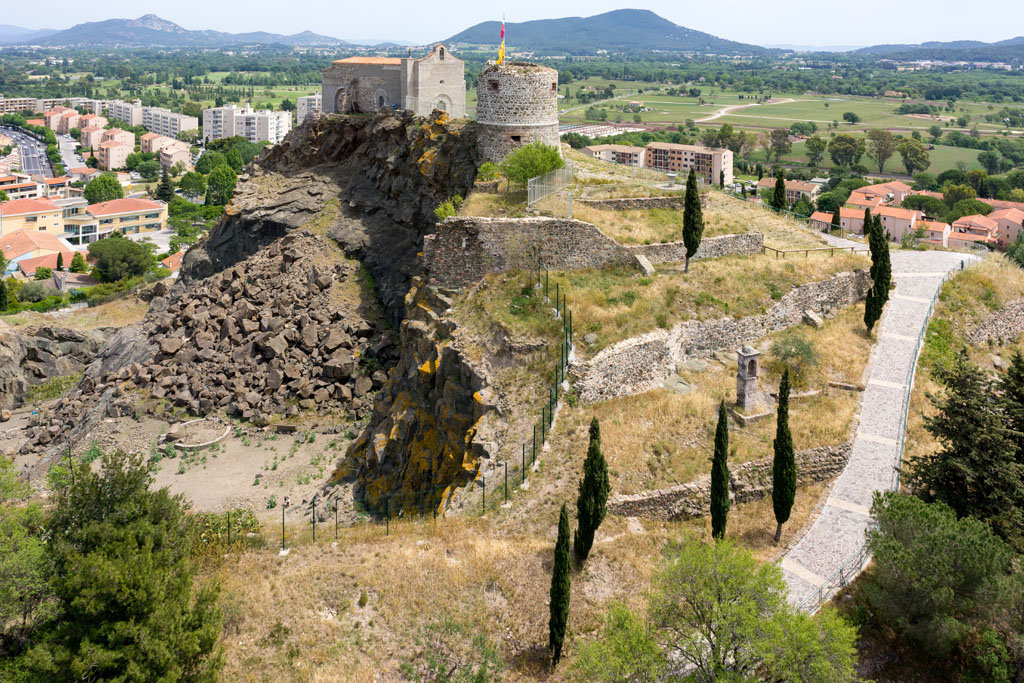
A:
(837, 535)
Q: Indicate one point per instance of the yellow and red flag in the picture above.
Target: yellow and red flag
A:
(501, 50)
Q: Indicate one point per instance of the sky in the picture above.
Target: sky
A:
(798, 22)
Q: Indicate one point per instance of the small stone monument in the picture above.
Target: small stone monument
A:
(748, 398)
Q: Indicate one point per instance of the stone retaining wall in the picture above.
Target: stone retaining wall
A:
(464, 249)
(747, 482)
(712, 247)
(643, 363)
(635, 203)
(1004, 325)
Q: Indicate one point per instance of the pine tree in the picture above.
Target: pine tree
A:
(693, 219)
(837, 220)
(78, 264)
(1011, 384)
(779, 194)
(60, 261)
(784, 464)
(591, 504)
(559, 590)
(3, 295)
(720, 476)
(165, 190)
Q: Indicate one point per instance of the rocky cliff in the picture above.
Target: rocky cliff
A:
(372, 182)
(30, 358)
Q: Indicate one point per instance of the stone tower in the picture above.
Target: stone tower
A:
(517, 103)
(747, 395)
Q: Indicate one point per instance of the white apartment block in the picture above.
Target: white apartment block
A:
(9, 105)
(231, 120)
(167, 122)
(126, 112)
(306, 106)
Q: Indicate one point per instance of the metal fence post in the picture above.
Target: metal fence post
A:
(282, 527)
(506, 481)
(335, 519)
(387, 516)
(229, 527)
(483, 495)
(524, 465)
(314, 518)
(533, 451)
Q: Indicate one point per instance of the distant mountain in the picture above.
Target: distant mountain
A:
(152, 31)
(19, 34)
(954, 50)
(624, 30)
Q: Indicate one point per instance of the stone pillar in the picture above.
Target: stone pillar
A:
(747, 395)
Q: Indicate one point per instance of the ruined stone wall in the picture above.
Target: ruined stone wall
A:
(636, 203)
(517, 103)
(1005, 325)
(463, 250)
(747, 482)
(362, 84)
(643, 363)
(712, 247)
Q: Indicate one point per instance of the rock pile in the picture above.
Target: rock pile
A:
(270, 335)
(45, 353)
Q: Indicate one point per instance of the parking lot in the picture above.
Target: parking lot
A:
(68, 147)
(33, 152)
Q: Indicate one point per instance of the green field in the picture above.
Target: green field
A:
(942, 158)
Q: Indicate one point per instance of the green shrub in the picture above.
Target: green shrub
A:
(530, 161)
(32, 292)
(796, 352)
(488, 171)
(43, 273)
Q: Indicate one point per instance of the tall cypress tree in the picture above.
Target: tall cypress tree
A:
(693, 219)
(60, 261)
(591, 503)
(881, 271)
(884, 281)
(784, 464)
(837, 220)
(559, 618)
(720, 476)
(779, 194)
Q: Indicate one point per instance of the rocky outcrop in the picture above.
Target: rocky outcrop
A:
(29, 359)
(1004, 326)
(747, 482)
(434, 424)
(371, 183)
(285, 330)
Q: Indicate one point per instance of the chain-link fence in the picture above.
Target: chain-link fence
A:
(542, 191)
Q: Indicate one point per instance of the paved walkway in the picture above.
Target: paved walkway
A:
(838, 533)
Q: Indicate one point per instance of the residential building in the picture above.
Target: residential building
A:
(27, 244)
(308, 106)
(129, 216)
(897, 222)
(795, 189)
(975, 229)
(935, 232)
(618, 154)
(1010, 223)
(710, 163)
(40, 215)
(865, 201)
(851, 220)
(173, 262)
(91, 121)
(67, 121)
(175, 152)
(820, 220)
(129, 113)
(52, 117)
(119, 136)
(82, 173)
(230, 120)
(91, 137)
(152, 142)
(24, 189)
(167, 122)
(113, 154)
(53, 187)
(892, 193)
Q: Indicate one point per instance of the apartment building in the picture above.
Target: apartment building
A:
(129, 113)
(42, 215)
(231, 120)
(91, 121)
(795, 189)
(892, 194)
(91, 137)
(113, 154)
(626, 155)
(175, 152)
(897, 222)
(10, 105)
(976, 229)
(307, 106)
(1010, 223)
(166, 122)
(129, 216)
(23, 188)
(710, 163)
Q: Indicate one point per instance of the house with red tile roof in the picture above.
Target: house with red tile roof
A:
(897, 222)
(852, 220)
(935, 232)
(40, 215)
(1011, 222)
(173, 262)
(129, 216)
(25, 245)
(820, 220)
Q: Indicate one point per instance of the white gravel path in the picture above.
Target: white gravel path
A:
(837, 535)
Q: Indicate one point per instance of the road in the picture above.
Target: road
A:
(68, 147)
(728, 110)
(33, 152)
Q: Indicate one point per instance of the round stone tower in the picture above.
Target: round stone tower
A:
(517, 103)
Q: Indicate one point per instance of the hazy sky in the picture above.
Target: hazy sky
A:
(803, 22)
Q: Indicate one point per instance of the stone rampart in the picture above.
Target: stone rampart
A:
(712, 247)
(634, 203)
(643, 363)
(464, 249)
(747, 482)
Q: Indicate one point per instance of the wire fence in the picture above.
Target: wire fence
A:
(542, 190)
(852, 567)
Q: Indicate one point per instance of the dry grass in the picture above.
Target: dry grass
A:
(503, 204)
(661, 438)
(964, 302)
(618, 303)
(117, 313)
(731, 215)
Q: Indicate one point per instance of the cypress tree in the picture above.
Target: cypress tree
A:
(165, 190)
(721, 178)
(3, 295)
(559, 590)
(591, 504)
(884, 264)
(784, 464)
(693, 219)
(837, 220)
(760, 171)
(720, 476)
(60, 261)
(881, 271)
(779, 194)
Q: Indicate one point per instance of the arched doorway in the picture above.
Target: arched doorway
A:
(341, 103)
